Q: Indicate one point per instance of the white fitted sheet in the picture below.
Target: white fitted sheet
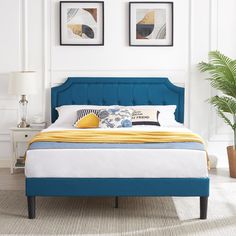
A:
(116, 163)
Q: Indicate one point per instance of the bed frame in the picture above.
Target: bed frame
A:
(120, 91)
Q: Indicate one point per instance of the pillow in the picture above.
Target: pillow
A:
(166, 116)
(67, 114)
(87, 118)
(145, 116)
(115, 118)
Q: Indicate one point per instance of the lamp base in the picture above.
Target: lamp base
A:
(23, 124)
(23, 112)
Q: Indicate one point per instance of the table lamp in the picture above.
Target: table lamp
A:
(23, 83)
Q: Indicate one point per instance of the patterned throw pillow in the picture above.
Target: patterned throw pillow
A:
(115, 118)
(87, 118)
(145, 116)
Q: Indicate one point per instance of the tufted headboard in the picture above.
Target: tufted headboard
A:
(118, 91)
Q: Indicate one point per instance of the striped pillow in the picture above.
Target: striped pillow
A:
(87, 118)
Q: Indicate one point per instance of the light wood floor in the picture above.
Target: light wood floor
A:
(16, 180)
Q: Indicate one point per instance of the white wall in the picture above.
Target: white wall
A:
(30, 40)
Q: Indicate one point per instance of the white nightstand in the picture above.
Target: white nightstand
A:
(20, 136)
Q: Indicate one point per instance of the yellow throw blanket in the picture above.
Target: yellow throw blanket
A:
(102, 136)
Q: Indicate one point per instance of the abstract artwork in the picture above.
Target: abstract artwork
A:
(82, 23)
(151, 24)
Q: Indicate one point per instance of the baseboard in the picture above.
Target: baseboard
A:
(5, 163)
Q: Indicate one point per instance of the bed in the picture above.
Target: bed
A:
(104, 169)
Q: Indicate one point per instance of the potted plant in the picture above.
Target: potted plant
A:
(222, 71)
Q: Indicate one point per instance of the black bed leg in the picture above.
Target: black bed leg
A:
(116, 202)
(203, 207)
(31, 207)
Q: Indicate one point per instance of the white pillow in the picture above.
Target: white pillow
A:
(166, 117)
(67, 114)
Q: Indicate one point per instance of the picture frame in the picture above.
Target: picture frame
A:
(81, 23)
(151, 24)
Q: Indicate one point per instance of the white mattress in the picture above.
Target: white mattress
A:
(116, 163)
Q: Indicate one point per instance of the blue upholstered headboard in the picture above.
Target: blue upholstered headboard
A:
(118, 91)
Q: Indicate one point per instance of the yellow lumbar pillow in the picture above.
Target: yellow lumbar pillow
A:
(88, 121)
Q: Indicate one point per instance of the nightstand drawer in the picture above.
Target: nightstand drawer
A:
(23, 136)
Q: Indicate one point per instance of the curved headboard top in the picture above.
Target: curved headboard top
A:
(126, 91)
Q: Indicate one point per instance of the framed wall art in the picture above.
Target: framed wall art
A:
(151, 23)
(81, 23)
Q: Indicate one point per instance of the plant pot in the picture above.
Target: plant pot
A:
(232, 161)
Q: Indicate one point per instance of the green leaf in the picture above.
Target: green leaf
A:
(226, 120)
(224, 63)
(224, 104)
(222, 72)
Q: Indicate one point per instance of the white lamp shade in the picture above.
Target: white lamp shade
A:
(22, 83)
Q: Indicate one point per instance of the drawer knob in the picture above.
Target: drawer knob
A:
(26, 135)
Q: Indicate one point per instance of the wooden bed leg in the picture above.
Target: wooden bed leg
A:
(31, 207)
(116, 202)
(203, 207)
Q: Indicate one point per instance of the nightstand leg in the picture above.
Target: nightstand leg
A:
(31, 207)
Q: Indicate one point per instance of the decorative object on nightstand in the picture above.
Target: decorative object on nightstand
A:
(23, 83)
(19, 139)
(35, 125)
(38, 122)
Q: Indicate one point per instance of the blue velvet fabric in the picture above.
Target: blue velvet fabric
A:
(118, 91)
(117, 186)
